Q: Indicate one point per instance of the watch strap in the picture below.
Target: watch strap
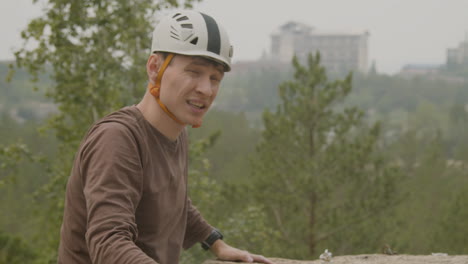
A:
(215, 235)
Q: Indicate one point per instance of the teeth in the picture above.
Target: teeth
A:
(199, 105)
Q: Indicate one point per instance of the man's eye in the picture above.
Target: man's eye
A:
(193, 71)
(215, 79)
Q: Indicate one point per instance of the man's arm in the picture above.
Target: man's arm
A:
(112, 184)
(197, 227)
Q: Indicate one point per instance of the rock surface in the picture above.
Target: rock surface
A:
(371, 259)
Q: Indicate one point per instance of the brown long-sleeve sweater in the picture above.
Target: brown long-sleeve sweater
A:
(126, 199)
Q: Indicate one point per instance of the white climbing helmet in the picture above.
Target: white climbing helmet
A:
(193, 33)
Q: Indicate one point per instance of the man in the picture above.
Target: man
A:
(126, 199)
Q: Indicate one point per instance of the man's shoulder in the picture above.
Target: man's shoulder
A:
(116, 124)
(109, 135)
(126, 115)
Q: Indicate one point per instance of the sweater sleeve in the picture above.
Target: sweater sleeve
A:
(112, 178)
(197, 227)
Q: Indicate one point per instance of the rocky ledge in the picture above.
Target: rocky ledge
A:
(371, 259)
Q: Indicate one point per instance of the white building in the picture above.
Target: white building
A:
(340, 52)
(459, 55)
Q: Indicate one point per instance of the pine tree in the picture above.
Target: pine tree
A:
(317, 168)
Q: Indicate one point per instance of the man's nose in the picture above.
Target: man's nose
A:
(204, 87)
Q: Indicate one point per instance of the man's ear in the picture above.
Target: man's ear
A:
(152, 67)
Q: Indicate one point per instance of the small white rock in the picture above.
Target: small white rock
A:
(326, 256)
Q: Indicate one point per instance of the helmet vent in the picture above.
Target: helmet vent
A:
(194, 41)
(182, 28)
(174, 34)
(182, 18)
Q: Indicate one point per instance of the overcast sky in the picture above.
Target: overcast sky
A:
(401, 31)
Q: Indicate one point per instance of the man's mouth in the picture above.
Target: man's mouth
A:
(198, 105)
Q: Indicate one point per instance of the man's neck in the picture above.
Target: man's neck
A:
(153, 113)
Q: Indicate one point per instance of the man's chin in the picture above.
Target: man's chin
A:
(195, 123)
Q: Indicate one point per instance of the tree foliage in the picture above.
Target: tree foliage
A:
(217, 186)
(317, 170)
(14, 250)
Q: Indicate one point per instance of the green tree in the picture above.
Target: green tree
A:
(10, 157)
(96, 52)
(213, 190)
(318, 171)
(13, 250)
(230, 155)
(451, 231)
(430, 218)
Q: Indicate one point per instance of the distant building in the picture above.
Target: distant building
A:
(428, 72)
(458, 56)
(340, 52)
(420, 69)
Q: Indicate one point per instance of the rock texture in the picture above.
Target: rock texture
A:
(371, 259)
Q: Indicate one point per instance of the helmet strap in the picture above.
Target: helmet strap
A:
(155, 90)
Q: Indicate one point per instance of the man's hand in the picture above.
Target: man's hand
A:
(225, 252)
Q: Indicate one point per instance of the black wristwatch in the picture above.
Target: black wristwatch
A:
(215, 235)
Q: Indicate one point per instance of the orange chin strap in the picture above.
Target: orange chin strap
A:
(155, 90)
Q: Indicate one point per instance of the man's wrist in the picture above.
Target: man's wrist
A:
(217, 246)
(211, 239)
